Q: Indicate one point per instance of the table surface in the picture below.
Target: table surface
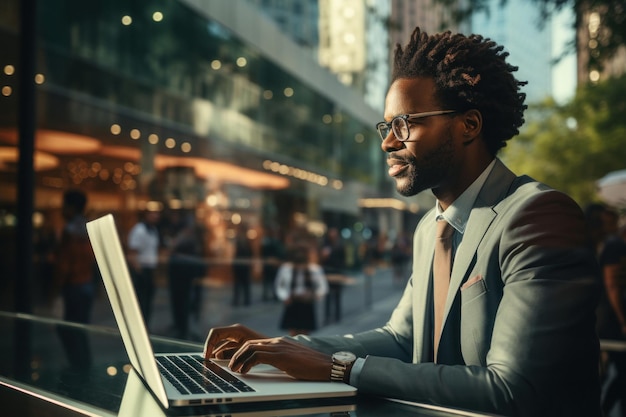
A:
(54, 368)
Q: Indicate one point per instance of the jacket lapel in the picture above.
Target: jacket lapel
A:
(493, 191)
(424, 247)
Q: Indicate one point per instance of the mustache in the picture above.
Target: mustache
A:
(394, 157)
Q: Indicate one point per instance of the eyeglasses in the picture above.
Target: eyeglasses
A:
(400, 124)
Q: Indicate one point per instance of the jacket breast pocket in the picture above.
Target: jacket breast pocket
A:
(472, 288)
(474, 340)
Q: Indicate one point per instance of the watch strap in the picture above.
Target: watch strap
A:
(341, 365)
(338, 372)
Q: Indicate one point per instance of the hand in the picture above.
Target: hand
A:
(247, 348)
(223, 342)
(298, 361)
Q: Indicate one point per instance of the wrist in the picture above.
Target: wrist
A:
(342, 363)
(347, 373)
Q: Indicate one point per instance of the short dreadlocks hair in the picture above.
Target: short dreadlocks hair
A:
(470, 72)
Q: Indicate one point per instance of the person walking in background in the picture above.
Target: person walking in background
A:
(143, 259)
(400, 256)
(299, 284)
(242, 269)
(498, 315)
(333, 261)
(611, 314)
(46, 246)
(75, 277)
(381, 249)
(185, 266)
(272, 255)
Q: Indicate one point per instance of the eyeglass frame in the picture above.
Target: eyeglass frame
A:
(407, 118)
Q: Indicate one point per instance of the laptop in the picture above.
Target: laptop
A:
(138, 401)
(184, 379)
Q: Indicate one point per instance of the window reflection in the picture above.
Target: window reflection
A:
(141, 102)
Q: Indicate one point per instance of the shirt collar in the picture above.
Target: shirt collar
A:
(458, 212)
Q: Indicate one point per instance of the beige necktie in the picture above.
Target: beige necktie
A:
(442, 265)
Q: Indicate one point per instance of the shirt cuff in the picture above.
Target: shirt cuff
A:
(355, 372)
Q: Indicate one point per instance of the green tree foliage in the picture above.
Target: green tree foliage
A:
(570, 147)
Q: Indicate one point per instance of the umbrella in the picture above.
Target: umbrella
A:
(612, 188)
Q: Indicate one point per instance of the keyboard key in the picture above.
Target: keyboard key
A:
(189, 374)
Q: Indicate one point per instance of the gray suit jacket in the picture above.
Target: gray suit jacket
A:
(519, 334)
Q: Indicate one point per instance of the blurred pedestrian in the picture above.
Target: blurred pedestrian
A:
(272, 256)
(242, 269)
(143, 257)
(333, 262)
(74, 277)
(185, 267)
(45, 245)
(611, 313)
(299, 284)
(400, 256)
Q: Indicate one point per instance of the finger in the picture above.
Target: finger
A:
(225, 350)
(209, 344)
(217, 337)
(225, 354)
(248, 355)
(258, 357)
(236, 334)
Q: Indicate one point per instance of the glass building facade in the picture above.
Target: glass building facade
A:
(156, 104)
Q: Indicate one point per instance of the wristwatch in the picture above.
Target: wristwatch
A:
(341, 362)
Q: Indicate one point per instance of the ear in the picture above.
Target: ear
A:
(472, 122)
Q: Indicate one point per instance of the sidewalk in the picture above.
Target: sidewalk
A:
(363, 307)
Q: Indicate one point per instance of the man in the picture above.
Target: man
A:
(185, 266)
(75, 278)
(273, 255)
(517, 335)
(143, 259)
(611, 314)
(76, 266)
(333, 260)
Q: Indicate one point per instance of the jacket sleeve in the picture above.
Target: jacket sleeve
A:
(394, 339)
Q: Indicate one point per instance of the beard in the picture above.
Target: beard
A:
(426, 171)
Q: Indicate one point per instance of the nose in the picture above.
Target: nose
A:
(391, 143)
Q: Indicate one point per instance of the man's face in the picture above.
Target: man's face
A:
(152, 217)
(426, 159)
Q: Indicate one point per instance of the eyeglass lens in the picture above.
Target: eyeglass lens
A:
(400, 128)
(398, 125)
(383, 130)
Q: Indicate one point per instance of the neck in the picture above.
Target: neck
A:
(447, 193)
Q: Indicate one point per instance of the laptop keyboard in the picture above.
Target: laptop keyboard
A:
(190, 374)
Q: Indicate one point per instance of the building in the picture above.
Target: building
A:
(430, 15)
(348, 37)
(296, 18)
(517, 25)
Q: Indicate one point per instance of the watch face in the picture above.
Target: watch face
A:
(344, 356)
